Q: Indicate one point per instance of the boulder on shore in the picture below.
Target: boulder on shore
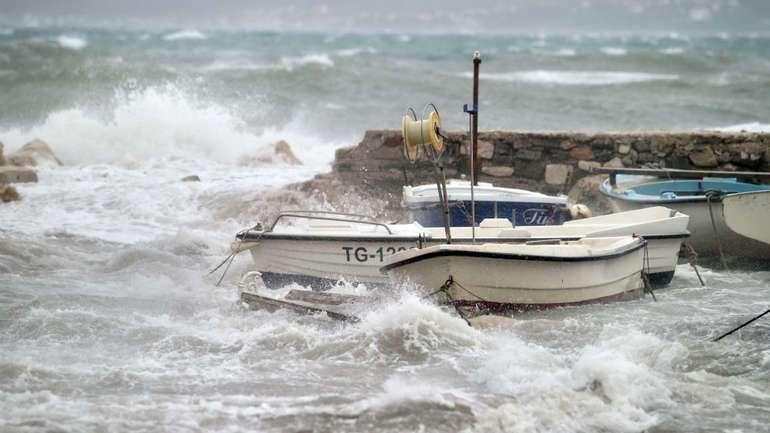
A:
(17, 175)
(8, 193)
(586, 191)
(36, 152)
(281, 154)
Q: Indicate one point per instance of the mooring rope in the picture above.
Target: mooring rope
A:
(709, 195)
(231, 258)
(445, 290)
(741, 326)
(692, 259)
(645, 272)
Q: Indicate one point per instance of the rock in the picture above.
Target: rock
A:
(567, 145)
(614, 163)
(36, 152)
(631, 158)
(282, 153)
(17, 175)
(8, 193)
(2, 158)
(529, 155)
(624, 148)
(191, 178)
(588, 165)
(728, 167)
(497, 170)
(703, 158)
(285, 154)
(586, 191)
(486, 149)
(581, 152)
(557, 174)
(642, 146)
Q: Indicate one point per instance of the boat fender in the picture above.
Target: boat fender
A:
(579, 211)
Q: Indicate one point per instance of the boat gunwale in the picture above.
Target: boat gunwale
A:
(513, 256)
(342, 238)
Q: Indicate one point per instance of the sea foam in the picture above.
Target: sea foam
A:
(72, 42)
(161, 122)
(182, 35)
(576, 78)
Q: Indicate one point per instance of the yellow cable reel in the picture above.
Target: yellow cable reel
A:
(422, 135)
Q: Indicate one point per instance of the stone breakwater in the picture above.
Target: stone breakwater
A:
(546, 162)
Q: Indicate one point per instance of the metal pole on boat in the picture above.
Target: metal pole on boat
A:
(474, 132)
(474, 140)
(475, 128)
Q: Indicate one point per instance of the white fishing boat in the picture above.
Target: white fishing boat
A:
(525, 276)
(700, 198)
(332, 246)
(748, 214)
(524, 208)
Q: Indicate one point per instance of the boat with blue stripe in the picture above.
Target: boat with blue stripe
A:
(698, 194)
(519, 206)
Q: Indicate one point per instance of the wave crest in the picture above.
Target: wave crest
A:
(576, 78)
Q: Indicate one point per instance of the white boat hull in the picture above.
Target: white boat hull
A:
(326, 256)
(521, 282)
(702, 236)
(748, 214)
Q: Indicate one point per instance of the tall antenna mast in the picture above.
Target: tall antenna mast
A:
(475, 128)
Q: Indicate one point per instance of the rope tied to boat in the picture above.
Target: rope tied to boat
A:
(709, 195)
(692, 259)
(646, 271)
(241, 235)
(445, 290)
(741, 325)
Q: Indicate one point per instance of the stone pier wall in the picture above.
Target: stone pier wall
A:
(547, 162)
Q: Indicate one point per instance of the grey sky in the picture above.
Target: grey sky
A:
(402, 15)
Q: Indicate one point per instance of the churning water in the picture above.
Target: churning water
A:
(109, 323)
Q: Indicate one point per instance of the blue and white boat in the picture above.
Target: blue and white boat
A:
(701, 199)
(521, 207)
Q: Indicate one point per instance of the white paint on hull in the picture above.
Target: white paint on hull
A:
(522, 282)
(749, 214)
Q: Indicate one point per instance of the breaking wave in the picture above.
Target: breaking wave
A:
(744, 127)
(72, 42)
(160, 122)
(576, 78)
(321, 59)
(185, 35)
(614, 51)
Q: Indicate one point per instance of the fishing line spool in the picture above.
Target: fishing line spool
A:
(422, 136)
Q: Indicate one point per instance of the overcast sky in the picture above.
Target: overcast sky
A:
(401, 15)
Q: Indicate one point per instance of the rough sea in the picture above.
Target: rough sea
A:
(109, 323)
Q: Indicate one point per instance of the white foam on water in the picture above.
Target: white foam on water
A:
(566, 52)
(576, 78)
(72, 42)
(615, 384)
(614, 51)
(162, 122)
(744, 127)
(185, 35)
(672, 51)
(318, 59)
(352, 52)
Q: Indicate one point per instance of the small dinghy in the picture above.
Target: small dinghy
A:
(533, 275)
(701, 199)
(748, 214)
